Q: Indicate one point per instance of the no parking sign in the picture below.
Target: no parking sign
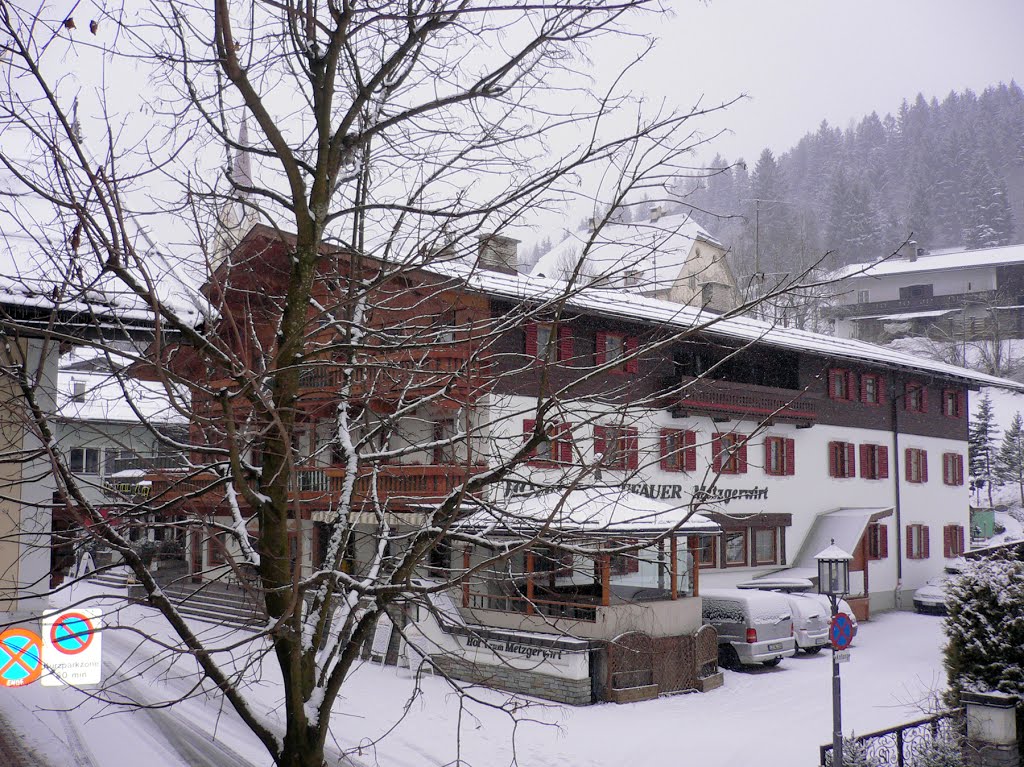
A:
(71, 647)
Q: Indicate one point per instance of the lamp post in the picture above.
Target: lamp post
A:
(834, 582)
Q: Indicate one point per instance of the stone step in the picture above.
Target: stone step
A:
(183, 593)
(218, 615)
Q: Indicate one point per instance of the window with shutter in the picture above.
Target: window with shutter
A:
(918, 546)
(557, 448)
(878, 541)
(842, 384)
(874, 461)
(952, 469)
(871, 391)
(618, 446)
(678, 450)
(779, 456)
(916, 469)
(952, 403)
(617, 350)
(915, 398)
(842, 459)
(730, 453)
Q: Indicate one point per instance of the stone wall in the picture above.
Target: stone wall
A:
(575, 692)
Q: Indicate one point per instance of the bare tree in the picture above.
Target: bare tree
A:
(321, 312)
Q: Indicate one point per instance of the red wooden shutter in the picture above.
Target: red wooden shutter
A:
(716, 452)
(832, 374)
(960, 471)
(632, 447)
(851, 385)
(531, 339)
(926, 542)
(883, 541)
(565, 345)
(880, 390)
(601, 349)
(924, 464)
(864, 388)
(768, 469)
(882, 461)
(960, 404)
(910, 542)
(924, 399)
(690, 439)
(851, 460)
(666, 463)
(632, 361)
(906, 396)
(790, 447)
(946, 479)
(565, 443)
(833, 459)
(742, 462)
(599, 442)
(528, 427)
(864, 461)
(907, 456)
(960, 539)
(947, 541)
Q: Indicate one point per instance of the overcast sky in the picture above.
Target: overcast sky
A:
(800, 61)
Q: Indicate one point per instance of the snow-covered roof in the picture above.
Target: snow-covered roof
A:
(103, 396)
(904, 316)
(631, 307)
(642, 256)
(958, 259)
(598, 509)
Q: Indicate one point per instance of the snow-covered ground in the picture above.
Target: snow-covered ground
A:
(766, 717)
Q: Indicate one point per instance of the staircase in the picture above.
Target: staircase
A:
(110, 579)
(218, 603)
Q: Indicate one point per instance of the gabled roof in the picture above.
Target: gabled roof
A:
(629, 307)
(958, 259)
(651, 253)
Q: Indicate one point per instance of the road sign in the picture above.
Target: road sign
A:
(72, 647)
(72, 633)
(841, 656)
(20, 657)
(840, 631)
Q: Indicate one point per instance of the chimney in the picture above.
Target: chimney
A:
(912, 250)
(657, 211)
(498, 253)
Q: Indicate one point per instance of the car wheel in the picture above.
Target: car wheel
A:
(813, 650)
(772, 663)
(727, 657)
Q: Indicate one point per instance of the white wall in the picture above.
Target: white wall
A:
(945, 283)
(809, 492)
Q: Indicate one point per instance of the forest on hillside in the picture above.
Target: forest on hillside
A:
(948, 174)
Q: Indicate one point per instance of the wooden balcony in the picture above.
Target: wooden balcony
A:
(743, 401)
(393, 375)
(399, 486)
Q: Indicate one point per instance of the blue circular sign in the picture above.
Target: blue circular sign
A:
(20, 658)
(840, 631)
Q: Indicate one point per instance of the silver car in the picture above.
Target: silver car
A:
(812, 612)
(753, 627)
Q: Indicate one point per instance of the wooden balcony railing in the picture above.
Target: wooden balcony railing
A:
(395, 373)
(582, 609)
(743, 401)
(398, 485)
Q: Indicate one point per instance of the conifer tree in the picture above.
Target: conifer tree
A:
(981, 448)
(1010, 462)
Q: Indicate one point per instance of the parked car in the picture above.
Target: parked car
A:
(753, 627)
(812, 612)
(931, 597)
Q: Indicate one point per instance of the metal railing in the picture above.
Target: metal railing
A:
(898, 746)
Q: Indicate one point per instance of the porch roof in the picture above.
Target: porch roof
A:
(843, 527)
(591, 510)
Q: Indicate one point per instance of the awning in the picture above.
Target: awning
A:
(843, 526)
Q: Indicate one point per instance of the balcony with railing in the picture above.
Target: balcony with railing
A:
(396, 374)
(399, 486)
(742, 401)
(920, 304)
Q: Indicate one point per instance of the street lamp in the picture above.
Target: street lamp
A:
(834, 582)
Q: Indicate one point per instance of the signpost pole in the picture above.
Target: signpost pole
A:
(837, 699)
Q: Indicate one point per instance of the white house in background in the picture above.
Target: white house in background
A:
(108, 427)
(667, 257)
(952, 295)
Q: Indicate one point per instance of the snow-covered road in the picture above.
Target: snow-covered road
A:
(767, 717)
